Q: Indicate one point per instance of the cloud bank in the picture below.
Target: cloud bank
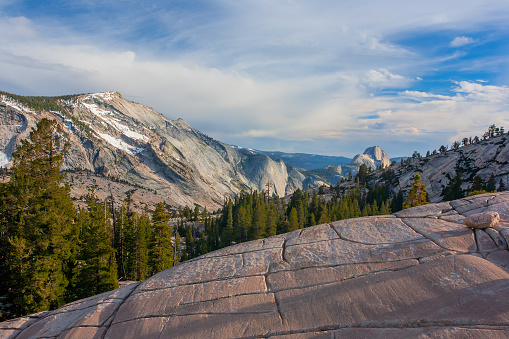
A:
(320, 77)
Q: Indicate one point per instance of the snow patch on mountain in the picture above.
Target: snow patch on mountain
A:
(14, 104)
(120, 144)
(105, 115)
(4, 160)
(106, 96)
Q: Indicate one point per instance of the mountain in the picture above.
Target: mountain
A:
(132, 143)
(129, 147)
(303, 160)
(372, 157)
(415, 274)
(482, 159)
(323, 169)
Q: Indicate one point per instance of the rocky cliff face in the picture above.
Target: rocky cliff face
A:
(417, 273)
(372, 157)
(436, 171)
(123, 140)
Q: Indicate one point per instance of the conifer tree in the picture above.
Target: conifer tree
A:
(271, 227)
(384, 208)
(120, 232)
(176, 249)
(324, 216)
(259, 218)
(201, 245)
(501, 186)
(478, 184)
(161, 251)
(96, 269)
(137, 235)
(491, 183)
(293, 220)
(312, 221)
(417, 195)
(227, 236)
(38, 223)
(189, 243)
(453, 191)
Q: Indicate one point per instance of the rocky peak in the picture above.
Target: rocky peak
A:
(373, 157)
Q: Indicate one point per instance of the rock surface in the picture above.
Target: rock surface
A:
(417, 273)
(372, 157)
(481, 159)
(482, 220)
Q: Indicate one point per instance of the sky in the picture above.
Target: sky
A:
(324, 76)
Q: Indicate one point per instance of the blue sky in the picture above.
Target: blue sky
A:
(325, 76)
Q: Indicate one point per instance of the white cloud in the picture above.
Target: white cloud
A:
(422, 95)
(461, 41)
(480, 92)
(384, 78)
(288, 70)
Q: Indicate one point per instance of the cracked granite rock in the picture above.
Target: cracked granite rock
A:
(420, 272)
(482, 220)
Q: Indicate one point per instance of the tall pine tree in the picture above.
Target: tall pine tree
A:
(161, 251)
(96, 268)
(38, 223)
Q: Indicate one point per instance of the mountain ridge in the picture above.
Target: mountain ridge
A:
(121, 139)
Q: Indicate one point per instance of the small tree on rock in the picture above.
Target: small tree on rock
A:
(417, 195)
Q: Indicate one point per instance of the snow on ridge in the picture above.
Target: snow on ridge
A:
(120, 144)
(96, 110)
(106, 96)
(4, 160)
(125, 130)
(15, 104)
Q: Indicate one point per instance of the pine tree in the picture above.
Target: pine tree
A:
(478, 184)
(501, 186)
(259, 218)
(324, 215)
(38, 224)
(96, 269)
(293, 220)
(201, 245)
(417, 195)
(491, 184)
(137, 235)
(161, 251)
(121, 228)
(227, 236)
(189, 243)
(453, 191)
(271, 227)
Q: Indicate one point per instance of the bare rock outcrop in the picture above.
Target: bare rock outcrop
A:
(437, 171)
(417, 273)
(482, 220)
(372, 157)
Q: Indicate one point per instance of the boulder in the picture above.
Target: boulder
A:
(482, 220)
